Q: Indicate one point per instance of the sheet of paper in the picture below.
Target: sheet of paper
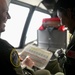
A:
(40, 56)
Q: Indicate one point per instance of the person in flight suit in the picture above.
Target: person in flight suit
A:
(9, 58)
(66, 12)
(10, 63)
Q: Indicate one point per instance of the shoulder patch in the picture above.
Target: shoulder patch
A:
(14, 58)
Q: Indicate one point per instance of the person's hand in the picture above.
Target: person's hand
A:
(28, 62)
(21, 59)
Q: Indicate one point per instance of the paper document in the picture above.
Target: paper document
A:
(40, 56)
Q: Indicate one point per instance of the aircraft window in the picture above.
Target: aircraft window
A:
(35, 23)
(15, 25)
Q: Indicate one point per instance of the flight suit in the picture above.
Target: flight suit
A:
(10, 62)
(69, 66)
(9, 59)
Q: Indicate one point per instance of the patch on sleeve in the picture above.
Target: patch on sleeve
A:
(14, 58)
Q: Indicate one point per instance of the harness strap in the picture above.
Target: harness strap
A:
(70, 54)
